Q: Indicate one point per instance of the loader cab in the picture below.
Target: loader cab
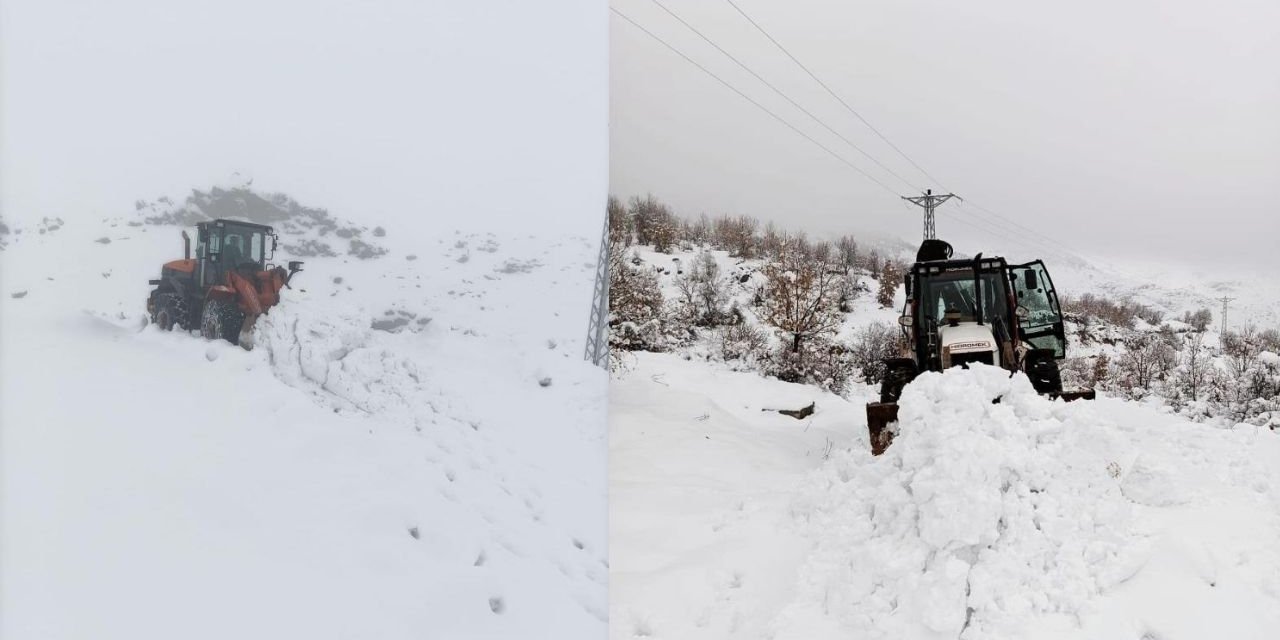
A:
(231, 244)
(1015, 303)
(945, 295)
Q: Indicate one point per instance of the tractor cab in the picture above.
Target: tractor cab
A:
(965, 311)
(981, 310)
(223, 245)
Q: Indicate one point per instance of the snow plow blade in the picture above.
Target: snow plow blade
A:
(1071, 396)
(879, 416)
(246, 331)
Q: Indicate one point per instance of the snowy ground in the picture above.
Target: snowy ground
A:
(1021, 519)
(414, 450)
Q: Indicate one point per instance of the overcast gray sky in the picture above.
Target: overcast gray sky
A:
(1145, 125)
(444, 114)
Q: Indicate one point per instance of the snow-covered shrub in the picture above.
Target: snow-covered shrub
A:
(636, 309)
(873, 344)
(1198, 320)
(742, 341)
(1191, 375)
(1123, 314)
(890, 276)
(1248, 387)
(655, 224)
(736, 235)
(704, 293)
(819, 361)
(1147, 358)
(850, 289)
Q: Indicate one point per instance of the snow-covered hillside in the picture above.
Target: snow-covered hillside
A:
(1022, 518)
(1026, 518)
(414, 449)
(1178, 288)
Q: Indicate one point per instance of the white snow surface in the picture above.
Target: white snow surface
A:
(439, 476)
(1022, 518)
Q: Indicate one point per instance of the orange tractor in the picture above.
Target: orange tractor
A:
(225, 287)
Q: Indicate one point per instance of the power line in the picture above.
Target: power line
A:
(864, 121)
(757, 104)
(1014, 223)
(989, 226)
(833, 93)
(782, 94)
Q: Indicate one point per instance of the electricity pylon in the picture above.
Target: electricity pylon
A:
(929, 202)
(597, 348)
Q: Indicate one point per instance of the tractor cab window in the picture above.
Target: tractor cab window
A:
(255, 247)
(954, 292)
(1040, 317)
(241, 245)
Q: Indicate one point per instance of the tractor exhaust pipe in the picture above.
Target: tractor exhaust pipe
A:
(186, 245)
(977, 287)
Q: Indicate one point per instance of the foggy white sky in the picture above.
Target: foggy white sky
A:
(457, 114)
(1151, 124)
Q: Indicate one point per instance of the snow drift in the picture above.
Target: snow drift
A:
(996, 513)
(992, 505)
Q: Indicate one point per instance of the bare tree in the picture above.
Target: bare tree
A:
(1195, 367)
(621, 225)
(736, 235)
(847, 253)
(655, 224)
(1148, 357)
(801, 297)
(704, 292)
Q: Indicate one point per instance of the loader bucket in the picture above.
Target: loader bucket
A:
(246, 331)
(879, 416)
(1072, 396)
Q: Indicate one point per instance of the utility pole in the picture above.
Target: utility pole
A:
(597, 347)
(1224, 300)
(929, 202)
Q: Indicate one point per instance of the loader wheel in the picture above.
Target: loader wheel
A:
(1043, 371)
(170, 312)
(221, 321)
(896, 377)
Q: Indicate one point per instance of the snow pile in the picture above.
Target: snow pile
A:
(992, 505)
(1026, 518)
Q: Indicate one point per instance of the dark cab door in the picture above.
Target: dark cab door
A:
(1040, 326)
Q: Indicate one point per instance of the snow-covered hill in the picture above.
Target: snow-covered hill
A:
(414, 449)
(1022, 518)
(1026, 518)
(1178, 288)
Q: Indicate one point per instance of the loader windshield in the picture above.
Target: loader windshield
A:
(242, 245)
(954, 292)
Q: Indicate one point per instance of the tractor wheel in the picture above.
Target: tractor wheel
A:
(221, 321)
(896, 376)
(171, 312)
(1043, 371)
